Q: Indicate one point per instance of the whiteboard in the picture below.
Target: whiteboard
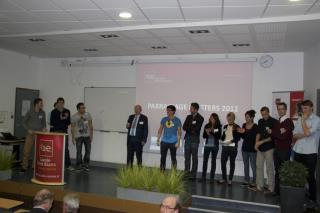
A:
(110, 107)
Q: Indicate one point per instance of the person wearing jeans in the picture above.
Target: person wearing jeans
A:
(82, 133)
(170, 126)
(212, 134)
(282, 136)
(306, 133)
(34, 120)
(192, 126)
(265, 147)
(248, 133)
(230, 138)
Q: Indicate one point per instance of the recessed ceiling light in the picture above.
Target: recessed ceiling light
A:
(125, 15)
(36, 39)
(109, 36)
(90, 50)
(158, 47)
(294, 0)
(199, 31)
(241, 45)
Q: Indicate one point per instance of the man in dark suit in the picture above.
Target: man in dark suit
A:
(42, 202)
(192, 126)
(137, 126)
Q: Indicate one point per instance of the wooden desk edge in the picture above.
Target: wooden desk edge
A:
(10, 203)
(51, 133)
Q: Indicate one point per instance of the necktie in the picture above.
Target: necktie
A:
(134, 126)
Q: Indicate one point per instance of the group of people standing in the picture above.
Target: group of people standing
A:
(270, 142)
(60, 120)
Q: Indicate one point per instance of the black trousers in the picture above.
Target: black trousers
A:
(279, 156)
(310, 161)
(67, 161)
(206, 155)
(191, 152)
(164, 147)
(228, 153)
(134, 146)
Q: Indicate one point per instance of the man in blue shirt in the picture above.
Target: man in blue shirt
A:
(170, 126)
(306, 133)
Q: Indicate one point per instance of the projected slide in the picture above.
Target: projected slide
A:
(217, 87)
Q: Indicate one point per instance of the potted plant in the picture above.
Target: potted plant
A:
(6, 161)
(148, 185)
(293, 177)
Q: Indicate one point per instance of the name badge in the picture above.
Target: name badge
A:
(40, 116)
(85, 122)
(141, 123)
(216, 130)
(194, 122)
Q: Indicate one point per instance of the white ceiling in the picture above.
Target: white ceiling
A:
(69, 26)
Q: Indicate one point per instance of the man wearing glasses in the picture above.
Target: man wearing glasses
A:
(82, 133)
(171, 128)
(170, 204)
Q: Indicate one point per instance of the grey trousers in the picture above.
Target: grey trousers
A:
(265, 157)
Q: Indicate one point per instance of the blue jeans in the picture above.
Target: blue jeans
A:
(249, 158)
(86, 141)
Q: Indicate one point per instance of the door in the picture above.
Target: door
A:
(23, 103)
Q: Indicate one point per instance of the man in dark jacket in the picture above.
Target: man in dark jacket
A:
(60, 122)
(192, 126)
(42, 202)
(282, 134)
(137, 126)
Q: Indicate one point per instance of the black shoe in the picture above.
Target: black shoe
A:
(22, 170)
(202, 180)
(192, 178)
(245, 184)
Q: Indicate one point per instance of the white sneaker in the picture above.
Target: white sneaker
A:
(70, 168)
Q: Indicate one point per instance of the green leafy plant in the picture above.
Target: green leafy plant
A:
(293, 174)
(6, 160)
(171, 183)
(151, 179)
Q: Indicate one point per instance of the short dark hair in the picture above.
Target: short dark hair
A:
(79, 105)
(282, 104)
(195, 105)
(60, 99)
(307, 103)
(265, 108)
(172, 108)
(36, 101)
(251, 113)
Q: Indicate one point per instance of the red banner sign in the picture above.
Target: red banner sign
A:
(49, 159)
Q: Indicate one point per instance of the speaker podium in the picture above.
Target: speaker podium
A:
(49, 158)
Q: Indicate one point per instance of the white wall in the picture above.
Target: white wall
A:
(55, 80)
(312, 72)
(16, 70)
